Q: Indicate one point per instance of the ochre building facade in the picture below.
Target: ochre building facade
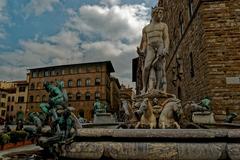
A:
(84, 83)
(13, 100)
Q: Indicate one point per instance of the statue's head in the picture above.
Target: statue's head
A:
(46, 85)
(157, 13)
(207, 97)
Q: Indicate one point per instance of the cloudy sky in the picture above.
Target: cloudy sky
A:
(37, 33)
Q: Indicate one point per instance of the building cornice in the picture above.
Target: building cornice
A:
(109, 66)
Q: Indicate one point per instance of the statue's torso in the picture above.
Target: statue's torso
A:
(154, 33)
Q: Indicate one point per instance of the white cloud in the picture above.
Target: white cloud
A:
(71, 12)
(65, 38)
(2, 33)
(118, 29)
(3, 16)
(38, 7)
(59, 49)
(56, 50)
(93, 33)
(104, 48)
(12, 73)
(110, 2)
(111, 23)
(36, 54)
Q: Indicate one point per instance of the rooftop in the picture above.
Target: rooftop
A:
(20, 82)
(109, 65)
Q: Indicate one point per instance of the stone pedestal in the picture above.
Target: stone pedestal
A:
(203, 117)
(100, 118)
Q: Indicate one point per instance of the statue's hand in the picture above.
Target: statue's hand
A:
(140, 52)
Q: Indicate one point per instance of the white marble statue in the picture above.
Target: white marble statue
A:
(154, 45)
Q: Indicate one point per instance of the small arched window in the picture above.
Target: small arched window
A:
(88, 82)
(97, 81)
(190, 5)
(46, 73)
(31, 99)
(79, 82)
(70, 83)
(78, 96)
(87, 96)
(44, 98)
(70, 96)
(192, 72)
(181, 24)
(39, 85)
(81, 113)
(179, 93)
(97, 95)
(32, 86)
(38, 98)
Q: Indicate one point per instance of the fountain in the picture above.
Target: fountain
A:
(157, 125)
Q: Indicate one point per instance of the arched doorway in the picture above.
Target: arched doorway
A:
(81, 113)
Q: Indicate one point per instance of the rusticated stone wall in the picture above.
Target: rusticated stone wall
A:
(221, 22)
(204, 58)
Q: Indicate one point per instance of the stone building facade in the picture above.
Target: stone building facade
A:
(127, 93)
(13, 100)
(6, 84)
(11, 97)
(204, 53)
(115, 94)
(3, 103)
(21, 99)
(84, 83)
(204, 56)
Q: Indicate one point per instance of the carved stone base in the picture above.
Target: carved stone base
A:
(100, 118)
(203, 117)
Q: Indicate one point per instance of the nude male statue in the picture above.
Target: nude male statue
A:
(154, 45)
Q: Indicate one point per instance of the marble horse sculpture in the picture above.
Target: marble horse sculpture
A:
(170, 114)
(148, 120)
(130, 117)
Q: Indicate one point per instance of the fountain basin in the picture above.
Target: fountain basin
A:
(209, 144)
